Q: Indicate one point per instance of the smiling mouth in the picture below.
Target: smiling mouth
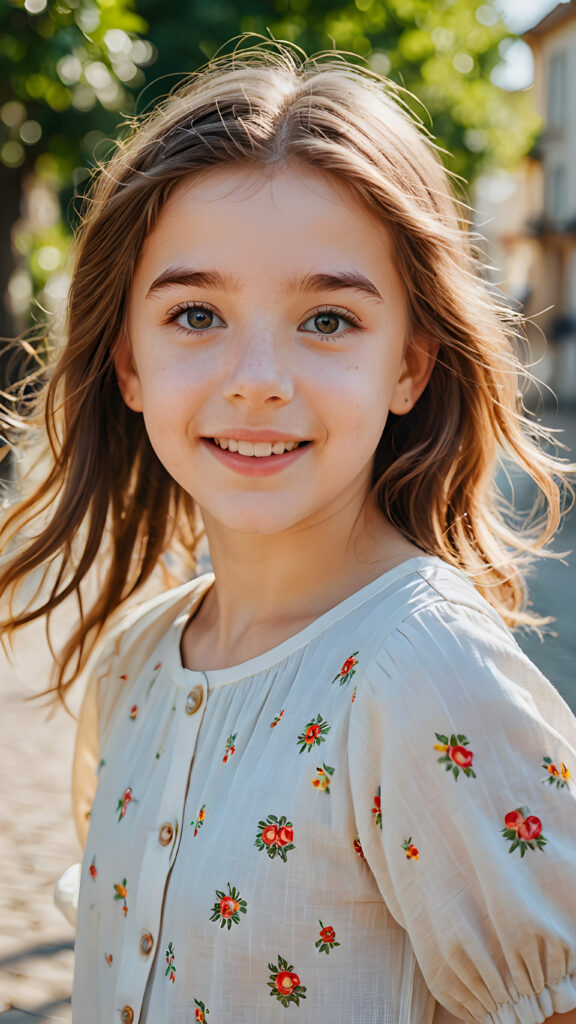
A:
(256, 449)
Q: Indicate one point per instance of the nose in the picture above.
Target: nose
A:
(259, 371)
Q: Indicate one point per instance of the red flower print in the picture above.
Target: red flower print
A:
(377, 809)
(462, 757)
(358, 847)
(530, 828)
(109, 958)
(285, 836)
(93, 870)
(513, 819)
(412, 852)
(269, 835)
(123, 802)
(170, 970)
(523, 831)
(201, 1011)
(347, 671)
(276, 719)
(284, 983)
(134, 712)
(124, 678)
(556, 777)
(314, 734)
(230, 747)
(327, 940)
(275, 836)
(228, 907)
(455, 755)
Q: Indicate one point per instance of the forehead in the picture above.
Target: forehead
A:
(262, 222)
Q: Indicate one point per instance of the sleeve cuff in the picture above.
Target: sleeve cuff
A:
(66, 893)
(535, 1009)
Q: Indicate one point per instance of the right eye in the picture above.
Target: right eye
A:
(195, 317)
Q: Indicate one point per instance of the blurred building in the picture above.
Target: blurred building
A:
(529, 218)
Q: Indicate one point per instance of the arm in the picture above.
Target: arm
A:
(563, 1018)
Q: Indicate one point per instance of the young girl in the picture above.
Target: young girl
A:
(323, 783)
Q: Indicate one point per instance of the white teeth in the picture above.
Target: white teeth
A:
(259, 449)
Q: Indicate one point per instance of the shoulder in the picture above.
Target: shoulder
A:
(132, 640)
(446, 648)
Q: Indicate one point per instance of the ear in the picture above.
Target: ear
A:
(417, 366)
(128, 379)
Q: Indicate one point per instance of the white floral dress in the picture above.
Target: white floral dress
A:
(374, 821)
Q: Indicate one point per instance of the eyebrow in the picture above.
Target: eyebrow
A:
(182, 276)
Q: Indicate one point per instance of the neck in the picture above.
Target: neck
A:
(269, 587)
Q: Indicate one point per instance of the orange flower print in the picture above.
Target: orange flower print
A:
(377, 809)
(559, 777)
(120, 893)
(327, 940)
(523, 831)
(170, 971)
(201, 1011)
(347, 671)
(199, 820)
(354, 694)
(134, 712)
(93, 870)
(126, 798)
(123, 678)
(109, 958)
(357, 845)
(314, 734)
(275, 836)
(228, 907)
(455, 755)
(276, 719)
(322, 779)
(284, 983)
(412, 852)
(230, 747)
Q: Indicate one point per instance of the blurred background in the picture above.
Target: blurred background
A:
(496, 81)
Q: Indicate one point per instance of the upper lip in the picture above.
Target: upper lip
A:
(248, 434)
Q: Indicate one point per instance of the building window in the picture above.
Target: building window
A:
(556, 196)
(557, 91)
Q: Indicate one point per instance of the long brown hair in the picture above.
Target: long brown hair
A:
(104, 489)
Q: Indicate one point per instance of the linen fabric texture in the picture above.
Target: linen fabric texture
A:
(374, 821)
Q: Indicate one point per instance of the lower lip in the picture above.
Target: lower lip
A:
(252, 465)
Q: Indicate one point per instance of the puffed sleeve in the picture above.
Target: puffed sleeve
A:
(463, 774)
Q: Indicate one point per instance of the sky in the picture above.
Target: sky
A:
(517, 70)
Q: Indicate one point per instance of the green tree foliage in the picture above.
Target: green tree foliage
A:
(73, 69)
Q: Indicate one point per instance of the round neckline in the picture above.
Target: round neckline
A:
(273, 656)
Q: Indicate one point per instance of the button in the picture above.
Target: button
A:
(127, 1015)
(146, 943)
(194, 700)
(166, 834)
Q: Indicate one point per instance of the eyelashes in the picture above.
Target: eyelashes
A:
(197, 317)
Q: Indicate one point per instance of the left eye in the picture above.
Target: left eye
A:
(198, 318)
(327, 323)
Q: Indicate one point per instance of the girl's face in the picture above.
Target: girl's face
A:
(266, 341)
